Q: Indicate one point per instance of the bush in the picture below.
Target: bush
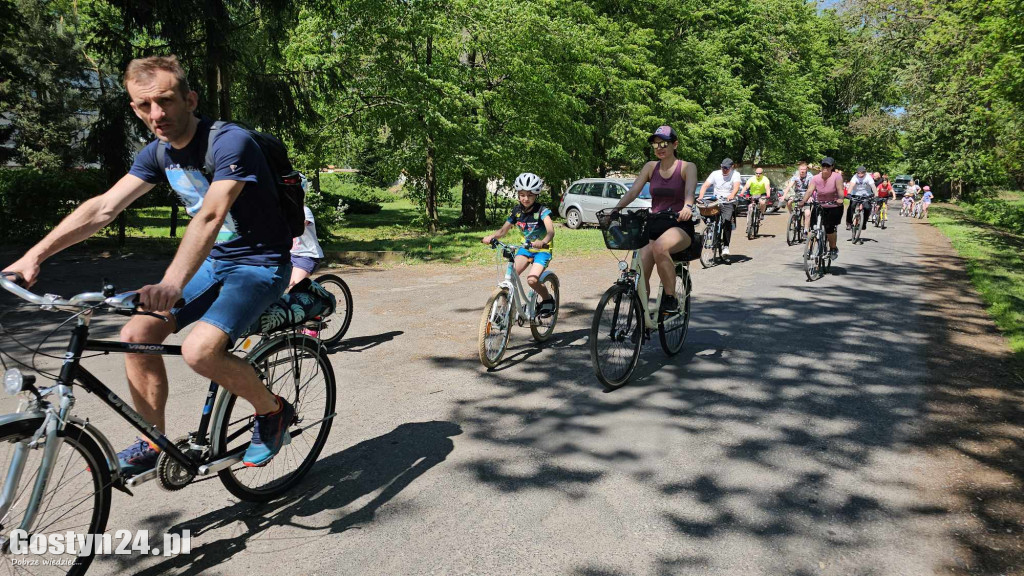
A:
(33, 202)
(1006, 214)
(357, 196)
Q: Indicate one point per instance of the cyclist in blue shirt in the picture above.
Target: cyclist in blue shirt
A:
(926, 200)
(534, 221)
(231, 265)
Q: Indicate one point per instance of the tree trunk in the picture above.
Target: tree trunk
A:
(474, 199)
(218, 97)
(174, 218)
(122, 222)
(431, 184)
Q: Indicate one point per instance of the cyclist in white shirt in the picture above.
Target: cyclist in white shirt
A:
(724, 185)
(860, 188)
(798, 185)
(306, 252)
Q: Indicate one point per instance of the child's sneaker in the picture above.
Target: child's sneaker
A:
(546, 308)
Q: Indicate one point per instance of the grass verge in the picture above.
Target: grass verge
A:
(995, 265)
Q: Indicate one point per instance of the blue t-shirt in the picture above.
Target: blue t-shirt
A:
(255, 231)
(531, 224)
(927, 196)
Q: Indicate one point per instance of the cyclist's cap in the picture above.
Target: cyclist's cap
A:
(666, 133)
(727, 163)
(862, 168)
(828, 161)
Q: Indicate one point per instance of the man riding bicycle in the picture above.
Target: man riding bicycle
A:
(759, 187)
(861, 188)
(233, 261)
(798, 185)
(724, 185)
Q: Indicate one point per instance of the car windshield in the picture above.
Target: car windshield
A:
(903, 179)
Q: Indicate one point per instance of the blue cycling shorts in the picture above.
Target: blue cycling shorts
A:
(542, 258)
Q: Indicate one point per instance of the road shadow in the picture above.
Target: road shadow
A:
(331, 500)
(809, 391)
(364, 343)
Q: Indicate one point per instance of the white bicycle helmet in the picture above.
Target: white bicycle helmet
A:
(530, 182)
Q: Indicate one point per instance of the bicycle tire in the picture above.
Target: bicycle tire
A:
(285, 375)
(707, 250)
(542, 328)
(673, 336)
(857, 220)
(337, 324)
(751, 217)
(812, 265)
(793, 230)
(624, 306)
(91, 469)
(492, 326)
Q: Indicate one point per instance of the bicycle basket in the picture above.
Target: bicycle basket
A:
(710, 209)
(623, 230)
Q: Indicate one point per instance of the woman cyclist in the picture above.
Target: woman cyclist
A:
(827, 187)
(672, 184)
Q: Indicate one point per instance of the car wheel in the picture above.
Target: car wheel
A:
(573, 219)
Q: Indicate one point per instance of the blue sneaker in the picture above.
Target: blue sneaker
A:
(269, 435)
(137, 458)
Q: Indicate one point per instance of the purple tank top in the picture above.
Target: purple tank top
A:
(668, 193)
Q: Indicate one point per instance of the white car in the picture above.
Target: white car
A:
(586, 197)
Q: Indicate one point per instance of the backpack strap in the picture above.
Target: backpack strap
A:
(161, 154)
(208, 161)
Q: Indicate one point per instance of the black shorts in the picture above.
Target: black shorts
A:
(658, 226)
(831, 217)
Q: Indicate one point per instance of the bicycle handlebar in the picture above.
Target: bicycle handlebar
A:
(126, 302)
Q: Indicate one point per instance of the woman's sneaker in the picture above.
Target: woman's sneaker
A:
(669, 306)
(269, 435)
(138, 458)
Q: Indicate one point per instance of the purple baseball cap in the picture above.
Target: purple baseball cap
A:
(666, 133)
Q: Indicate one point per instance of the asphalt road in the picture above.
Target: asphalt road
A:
(783, 439)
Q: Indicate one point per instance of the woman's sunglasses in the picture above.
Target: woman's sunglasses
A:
(660, 145)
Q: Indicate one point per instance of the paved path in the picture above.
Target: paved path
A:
(784, 439)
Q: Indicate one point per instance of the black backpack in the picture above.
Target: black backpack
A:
(287, 181)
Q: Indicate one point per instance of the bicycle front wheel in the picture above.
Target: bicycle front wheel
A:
(542, 328)
(672, 330)
(856, 226)
(77, 497)
(812, 257)
(707, 249)
(793, 230)
(495, 327)
(336, 325)
(616, 336)
(751, 218)
(297, 369)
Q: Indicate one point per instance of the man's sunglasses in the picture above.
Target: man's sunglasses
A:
(660, 145)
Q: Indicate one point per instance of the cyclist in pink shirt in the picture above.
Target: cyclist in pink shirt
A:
(827, 188)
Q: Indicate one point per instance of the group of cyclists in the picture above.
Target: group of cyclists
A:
(237, 256)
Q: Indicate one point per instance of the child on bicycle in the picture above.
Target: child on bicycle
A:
(534, 221)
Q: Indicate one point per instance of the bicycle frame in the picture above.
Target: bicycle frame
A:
(634, 277)
(523, 306)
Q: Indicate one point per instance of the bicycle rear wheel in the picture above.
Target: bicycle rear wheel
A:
(542, 328)
(336, 325)
(707, 249)
(672, 330)
(616, 336)
(297, 369)
(77, 497)
(495, 327)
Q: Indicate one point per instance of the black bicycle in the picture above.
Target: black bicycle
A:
(817, 258)
(713, 237)
(795, 228)
(857, 204)
(60, 468)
